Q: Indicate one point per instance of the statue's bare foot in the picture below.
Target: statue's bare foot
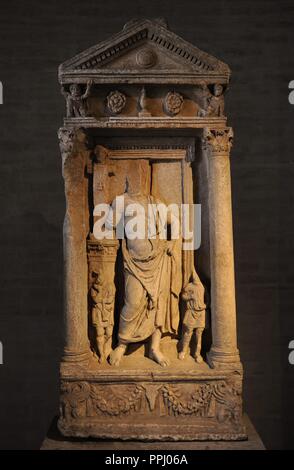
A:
(117, 354)
(108, 353)
(198, 358)
(158, 357)
(182, 355)
(101, 359)
(95, 355)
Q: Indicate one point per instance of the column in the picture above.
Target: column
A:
(217, 144)
(188, 255)
(74, 153)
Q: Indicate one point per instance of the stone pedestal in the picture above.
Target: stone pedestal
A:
(141, 401)
(55, 441)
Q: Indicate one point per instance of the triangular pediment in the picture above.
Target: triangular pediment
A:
(144, 48)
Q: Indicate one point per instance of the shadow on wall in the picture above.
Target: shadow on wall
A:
(31, 328)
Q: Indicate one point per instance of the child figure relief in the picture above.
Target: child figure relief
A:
(102, 295)
(194, 317)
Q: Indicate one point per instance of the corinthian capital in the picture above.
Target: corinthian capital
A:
(66, 139)
(71, 141)
(218, 141)
(74, 150)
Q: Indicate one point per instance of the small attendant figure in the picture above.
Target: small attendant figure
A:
(102, 315)
(76, 105)
(194, 317)
(108, 318)
(216, 103)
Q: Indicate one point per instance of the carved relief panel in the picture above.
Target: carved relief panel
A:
(145, 135)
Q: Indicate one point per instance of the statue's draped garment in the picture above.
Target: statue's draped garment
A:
(158, 287)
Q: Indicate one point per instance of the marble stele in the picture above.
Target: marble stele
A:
(150, 327)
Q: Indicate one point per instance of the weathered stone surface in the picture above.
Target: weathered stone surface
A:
(145, 52)
(54, 441)
(185, 401)
(151, 349)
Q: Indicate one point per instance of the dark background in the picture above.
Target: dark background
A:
(256, 38)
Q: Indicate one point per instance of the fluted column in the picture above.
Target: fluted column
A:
(217, 144)
(74, 154)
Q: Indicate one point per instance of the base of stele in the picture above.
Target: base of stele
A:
(55, 441)
(140, 400)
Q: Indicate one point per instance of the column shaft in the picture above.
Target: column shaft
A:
(74, 245)
(217, 143)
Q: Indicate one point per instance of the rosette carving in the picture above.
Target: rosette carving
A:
(173, 103)
(116, 102)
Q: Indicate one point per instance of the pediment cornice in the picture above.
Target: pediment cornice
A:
(144, 49)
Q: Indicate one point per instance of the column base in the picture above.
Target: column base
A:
(218, 358)
(70, 355)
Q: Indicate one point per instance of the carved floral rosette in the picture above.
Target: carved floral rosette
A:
(116, 102)
(173, 103)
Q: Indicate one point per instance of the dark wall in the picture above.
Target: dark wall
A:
(255, 37)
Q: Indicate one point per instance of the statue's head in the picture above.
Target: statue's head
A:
(217, 89)
(75, 89)
(190, 289)
(98, 278)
